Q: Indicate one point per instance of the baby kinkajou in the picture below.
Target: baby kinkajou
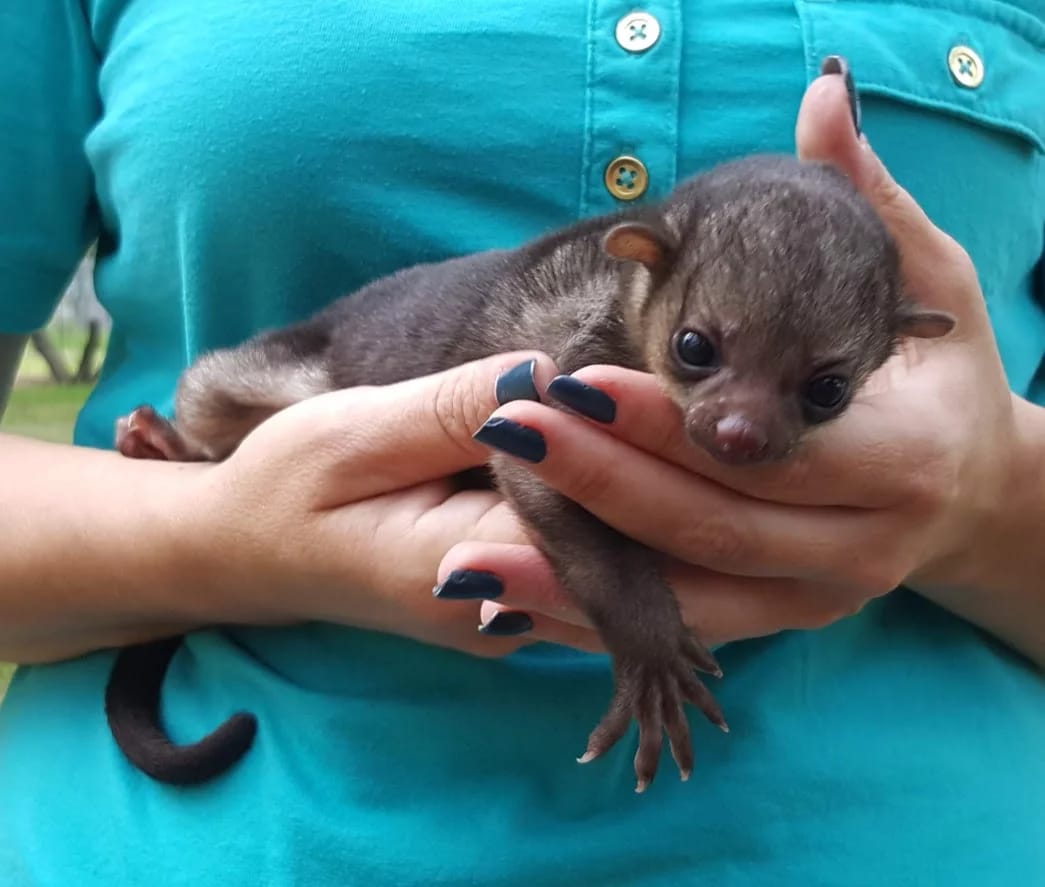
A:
(761, 294)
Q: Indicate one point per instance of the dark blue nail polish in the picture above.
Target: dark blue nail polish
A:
(506, 623)
(468, 585)
(518, 383)
(512, 438)
(836, 64)
(585, 399)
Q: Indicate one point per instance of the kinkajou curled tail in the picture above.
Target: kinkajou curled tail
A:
(222, 397)
(132, 706)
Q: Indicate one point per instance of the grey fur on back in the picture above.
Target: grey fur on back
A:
(738, 263)
(558, 295)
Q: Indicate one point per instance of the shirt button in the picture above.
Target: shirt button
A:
(626, 177)
(966, 66)
(638, 31)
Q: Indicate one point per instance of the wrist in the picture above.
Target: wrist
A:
(206, 556)
(91, 555)
(997, 584)
(151, 545)
(183, 542)
(1016, 526)
(997, 540)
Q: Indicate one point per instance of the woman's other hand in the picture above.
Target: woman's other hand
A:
(907, 488)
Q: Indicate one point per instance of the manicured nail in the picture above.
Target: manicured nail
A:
(507, 622)
(518, 383)
(585, 399)
(836, 64)
(512, 438)
(468, 585)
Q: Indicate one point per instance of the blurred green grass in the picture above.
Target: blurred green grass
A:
(43, 411)
(38, 407)
(69, 338)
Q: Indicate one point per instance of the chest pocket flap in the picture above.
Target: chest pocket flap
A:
(983, 60)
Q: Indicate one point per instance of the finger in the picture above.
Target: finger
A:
(517, 576)
(720, 607)
(544, 628)
(935, 267)
(839, 464)
(373, 439)
(724, 608)
(690, 517)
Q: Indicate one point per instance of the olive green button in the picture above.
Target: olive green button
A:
(966, 66)
(626, 177)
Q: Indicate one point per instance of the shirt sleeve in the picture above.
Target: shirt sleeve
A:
(48, 103)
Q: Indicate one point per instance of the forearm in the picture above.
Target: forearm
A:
(1000, 585)
(95, 550)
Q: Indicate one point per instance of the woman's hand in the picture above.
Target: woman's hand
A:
(907, 488)
(340, 509)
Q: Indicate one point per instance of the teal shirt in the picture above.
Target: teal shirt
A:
(241, 163)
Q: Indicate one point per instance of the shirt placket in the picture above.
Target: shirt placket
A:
(632, 108)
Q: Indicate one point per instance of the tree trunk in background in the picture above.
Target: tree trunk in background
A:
(85, 372)
(52, 357)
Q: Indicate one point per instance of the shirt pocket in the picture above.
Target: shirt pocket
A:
(953, 99)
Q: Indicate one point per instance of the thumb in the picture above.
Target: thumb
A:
(938, 272)
(371, 440)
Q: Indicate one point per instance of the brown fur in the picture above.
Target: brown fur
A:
(781, 265)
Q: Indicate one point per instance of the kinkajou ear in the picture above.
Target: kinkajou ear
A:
(648, 244)
(924, 323)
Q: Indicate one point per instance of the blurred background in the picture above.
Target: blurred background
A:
(58, 370)
(60, 364)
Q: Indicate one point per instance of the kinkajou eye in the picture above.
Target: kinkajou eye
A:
(694, 350)
(825, 395)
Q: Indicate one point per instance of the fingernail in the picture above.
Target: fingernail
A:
(512, 438)
(518, 383)
(585, 399)
(467, 585)
(836, 64)
(506, 623)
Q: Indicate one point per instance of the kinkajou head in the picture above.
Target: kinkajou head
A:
(763, 302)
